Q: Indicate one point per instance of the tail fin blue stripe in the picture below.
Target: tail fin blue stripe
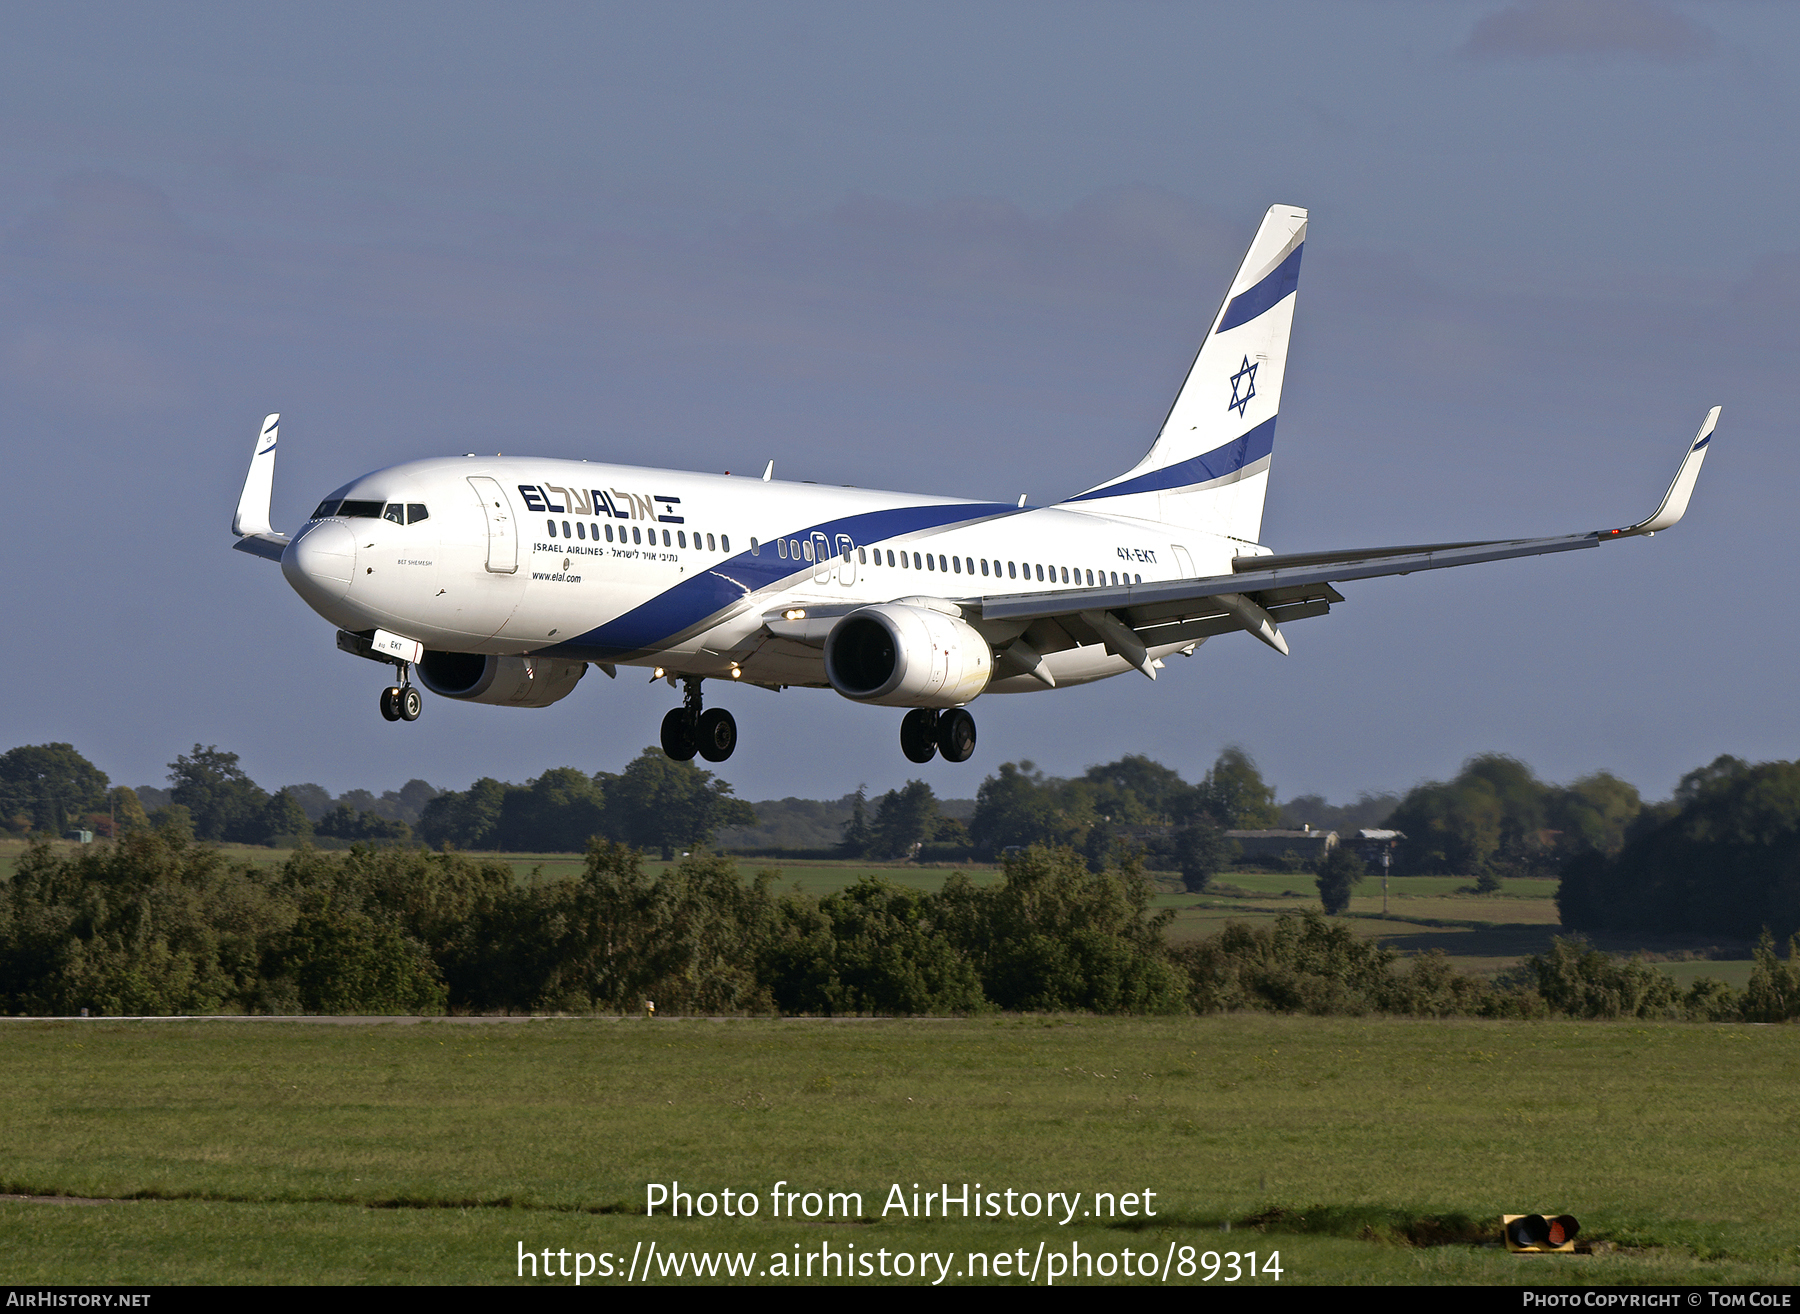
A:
(1247, 305)
(1221, 461)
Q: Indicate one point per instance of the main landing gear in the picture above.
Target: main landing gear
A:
(401, 702)
(924, 733)
(687, 730)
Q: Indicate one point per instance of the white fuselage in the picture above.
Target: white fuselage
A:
(661, 568)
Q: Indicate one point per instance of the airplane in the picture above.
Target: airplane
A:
(500, 580)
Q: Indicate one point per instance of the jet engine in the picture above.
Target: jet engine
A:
(508, 681)
(895, 655)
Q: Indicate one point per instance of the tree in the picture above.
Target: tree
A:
(466, 820)
(1017, 807)
(857, 835)
(1339, 873)
(559, 812)
(127, 812)
(283, 820)
(224, 802)
(1235, 795)
(904, 819)
(1136, 790)
(1201, 852)
(658, 803)
(51, 785)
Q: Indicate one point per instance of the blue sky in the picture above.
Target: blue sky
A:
(945, 248)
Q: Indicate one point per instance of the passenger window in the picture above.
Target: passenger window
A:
(917, 564)
(862, 557)
(781, 548)
(890, 556)
(609, 533)
(415, 512)
(1012, 571)
(957, 562)
(725, 543)
(930, 562)
(637, 535)
(1138, 580)
(566, 533)
(681, 538)
(667, 541)
(984, 569)
(807, 549)
(711, 543)
(551, 526)
(1090, 576)
(580, 530)
(1065, 574)
(327, 509)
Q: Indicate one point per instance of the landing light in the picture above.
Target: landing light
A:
(1536, 1234)
(795, 613)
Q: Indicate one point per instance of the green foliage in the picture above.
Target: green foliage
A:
(904, 820)
(1235, 795)
(873, 948)
(1725, 862)
(1201, 852)
(123, 805)
(1577, 981)
(225, 804)
(656, 803)
(466, 820)
(48, 787)
(1306, 964)
(1773, 994)
(1340, 872)
(1053, 935)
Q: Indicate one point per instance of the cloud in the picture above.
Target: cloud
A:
(1539, 29)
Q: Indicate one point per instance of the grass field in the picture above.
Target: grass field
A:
(296, 1152)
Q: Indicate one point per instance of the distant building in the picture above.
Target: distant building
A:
(1306, 844)
(1371, 844)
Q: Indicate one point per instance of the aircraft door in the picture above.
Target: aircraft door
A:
(846, 560)
(1183, 562)
(821, 547)
(502, 529)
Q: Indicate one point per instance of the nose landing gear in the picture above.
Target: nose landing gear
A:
(687, 730)
(925, 733)
(401, 702)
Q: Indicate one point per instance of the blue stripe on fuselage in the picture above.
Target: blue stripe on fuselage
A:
(1229, 459)
(675, 611)
(1251, 302)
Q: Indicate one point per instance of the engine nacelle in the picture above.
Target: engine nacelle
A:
(894, 655)
(510, 681)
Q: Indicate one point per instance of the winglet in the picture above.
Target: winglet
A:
(769, 470)
(1675, 501)
(259, 484)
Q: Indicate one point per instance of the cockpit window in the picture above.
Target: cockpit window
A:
(396, 512)
(415, 512)
(364, 510)
(327, 509)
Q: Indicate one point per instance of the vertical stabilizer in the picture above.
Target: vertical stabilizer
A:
(1209, 467)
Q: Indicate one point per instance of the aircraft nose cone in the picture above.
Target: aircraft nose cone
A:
(320, 563)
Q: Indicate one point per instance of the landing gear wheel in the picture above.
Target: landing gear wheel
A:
(717, 734)
(390, 703)
(918, 735)
(409, 705)
(956, 735)
(678, 735)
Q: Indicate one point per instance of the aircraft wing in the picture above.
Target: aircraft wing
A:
(1261, 592)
